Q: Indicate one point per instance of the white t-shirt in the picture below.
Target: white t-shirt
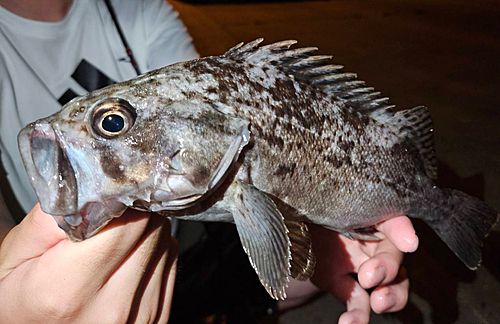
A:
(45, 63)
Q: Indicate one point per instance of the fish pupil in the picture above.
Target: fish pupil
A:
(113, 123)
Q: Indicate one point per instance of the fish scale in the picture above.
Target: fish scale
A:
(269, 137)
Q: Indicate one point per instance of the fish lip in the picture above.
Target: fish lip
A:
(48, 168)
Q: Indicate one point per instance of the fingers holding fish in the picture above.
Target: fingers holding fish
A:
(383, 269)
(146, 275)
(399, 230)
(384, 257)
(67, 280)
(380, 269)
(385, 273)
(376, 263)
(392, 297)
(77, 262)
(144, 279)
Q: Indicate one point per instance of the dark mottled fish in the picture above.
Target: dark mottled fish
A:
(267, 137)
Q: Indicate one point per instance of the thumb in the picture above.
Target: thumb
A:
(37, 233)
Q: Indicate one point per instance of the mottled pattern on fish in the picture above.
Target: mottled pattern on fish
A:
(265, 136)
(354, 169)
(354, 166)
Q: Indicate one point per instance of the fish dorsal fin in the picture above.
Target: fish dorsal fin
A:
(415, 124)
(318, 71)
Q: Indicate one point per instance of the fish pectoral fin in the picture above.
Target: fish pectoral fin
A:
(303, 260)
(364, 234)
(92, 217)
(263, 234)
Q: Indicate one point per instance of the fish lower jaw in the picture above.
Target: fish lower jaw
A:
(159, 200)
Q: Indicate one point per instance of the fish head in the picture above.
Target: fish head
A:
(114, 149)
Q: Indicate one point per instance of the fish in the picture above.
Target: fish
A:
(269, 137)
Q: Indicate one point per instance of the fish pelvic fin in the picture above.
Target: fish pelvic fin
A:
(363, 234)
(461, 221)
(415, 124)
(263, 234)
(303, 260)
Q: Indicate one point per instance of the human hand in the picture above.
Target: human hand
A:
(125, 273)
(376, 263)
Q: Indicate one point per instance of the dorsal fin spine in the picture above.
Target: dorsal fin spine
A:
(316, 70)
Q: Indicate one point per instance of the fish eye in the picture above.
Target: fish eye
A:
(113, 122)
(113, 117)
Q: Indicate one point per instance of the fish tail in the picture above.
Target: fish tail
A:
(461, 221)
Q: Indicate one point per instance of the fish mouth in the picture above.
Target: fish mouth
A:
(49, 169)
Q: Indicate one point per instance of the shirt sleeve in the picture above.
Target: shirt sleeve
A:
(168, 40)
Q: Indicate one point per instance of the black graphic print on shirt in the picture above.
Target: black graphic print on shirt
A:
(89, 77)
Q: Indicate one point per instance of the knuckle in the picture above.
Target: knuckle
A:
(56, 307)
(391, 265)
(52, 302)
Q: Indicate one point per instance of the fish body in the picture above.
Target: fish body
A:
(268, 137)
